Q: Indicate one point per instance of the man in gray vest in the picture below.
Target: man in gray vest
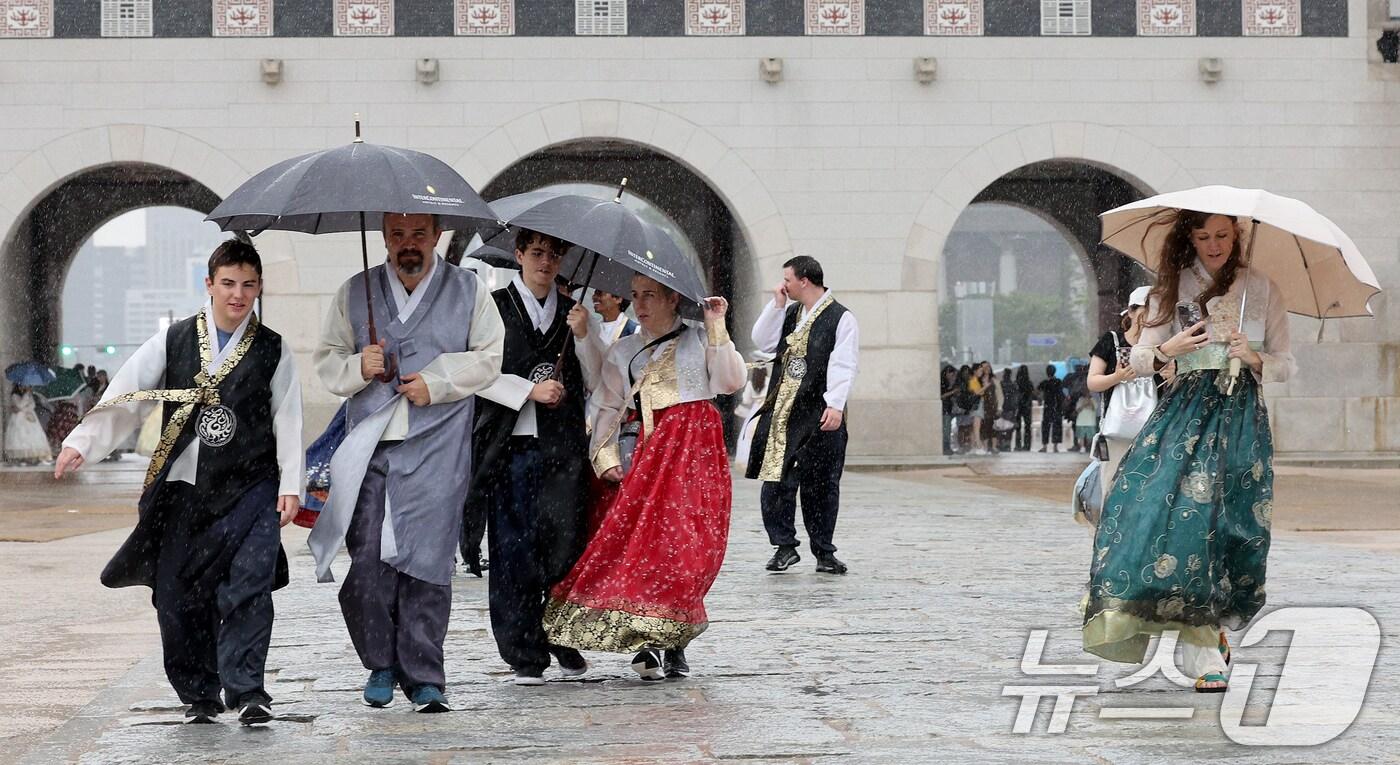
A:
(399, 479)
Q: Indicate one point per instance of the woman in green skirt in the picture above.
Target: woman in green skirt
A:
(1184, 535)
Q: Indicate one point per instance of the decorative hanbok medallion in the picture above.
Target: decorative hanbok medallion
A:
(542, 372)
(797, 367)
(216, 425)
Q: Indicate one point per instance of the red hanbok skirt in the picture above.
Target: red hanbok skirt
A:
(642, 579)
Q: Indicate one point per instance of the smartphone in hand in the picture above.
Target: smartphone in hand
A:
(1188, 313)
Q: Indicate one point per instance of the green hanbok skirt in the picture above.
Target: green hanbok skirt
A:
(1184, 536)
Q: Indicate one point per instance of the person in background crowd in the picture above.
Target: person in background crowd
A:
(1051, 394)
(1024, 405)
(947, 394)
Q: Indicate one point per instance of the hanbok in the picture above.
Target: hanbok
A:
(24, 437)
(642, 580)
(1184, 537)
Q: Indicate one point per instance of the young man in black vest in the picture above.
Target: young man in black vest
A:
(799, 443)
(227, 473)
(531, 452)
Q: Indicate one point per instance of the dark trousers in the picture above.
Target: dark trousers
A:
(215, 630)
(473, 531)
(817, 477)
(518, 547)
(1050, 425)
(1023, 429)
(395, 621)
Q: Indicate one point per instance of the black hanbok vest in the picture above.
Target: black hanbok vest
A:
(805, 416)
(223, 475)
(562, 437)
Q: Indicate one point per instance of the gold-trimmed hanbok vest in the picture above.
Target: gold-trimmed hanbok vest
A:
(792, 412)
(238, 448)
(230, 412)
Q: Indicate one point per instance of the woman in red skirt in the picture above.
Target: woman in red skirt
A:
(640, 584)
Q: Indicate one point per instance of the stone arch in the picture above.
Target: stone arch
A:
(1111, 149)
(48, 186)
(694, 147)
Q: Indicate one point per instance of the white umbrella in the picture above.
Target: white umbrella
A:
(1315, 265)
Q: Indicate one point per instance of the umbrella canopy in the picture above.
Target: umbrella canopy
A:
(67, 382)
(30, 374)
(326, 192)
(1318, 268)
(618, 235)
(494, 256)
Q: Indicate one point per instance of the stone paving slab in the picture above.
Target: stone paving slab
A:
(902, 661)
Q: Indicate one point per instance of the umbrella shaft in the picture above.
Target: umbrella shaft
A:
(369, 299)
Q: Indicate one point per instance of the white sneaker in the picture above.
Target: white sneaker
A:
(522, 678)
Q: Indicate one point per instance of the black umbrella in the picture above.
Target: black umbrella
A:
(350, 188)
(614, 233)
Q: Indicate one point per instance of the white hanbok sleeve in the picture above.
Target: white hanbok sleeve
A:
(286, 425)
(610, 401)
(101, 432)
(723, 361)
(768, 329)
(841, 366)
(1277, 357)
(336, 360)
(1143, 357)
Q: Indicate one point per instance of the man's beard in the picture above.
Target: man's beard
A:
(410, 262)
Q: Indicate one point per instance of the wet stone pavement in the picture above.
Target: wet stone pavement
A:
(902, 661)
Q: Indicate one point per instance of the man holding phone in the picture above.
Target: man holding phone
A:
(799, 442)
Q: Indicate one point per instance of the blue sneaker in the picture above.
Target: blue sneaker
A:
(379, 689)
(429, 699)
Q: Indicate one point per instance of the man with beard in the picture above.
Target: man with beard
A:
(399, 478)
(227, 471)
(532, 456)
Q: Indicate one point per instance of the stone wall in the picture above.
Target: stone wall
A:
(848, 158)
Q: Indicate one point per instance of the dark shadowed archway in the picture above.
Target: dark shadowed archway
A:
(41, 247)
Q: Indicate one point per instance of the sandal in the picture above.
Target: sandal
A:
(1224, 647)
(1211, 677)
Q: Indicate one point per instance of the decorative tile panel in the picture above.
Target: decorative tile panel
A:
(1272, 18)
(26, 18)
(485, 17)
(953, 17)
(835, 17)
(1066, 17)
(242, 18)
(600, 17)
(714, 17)
(364, 18)
(126, 18)
(1166, 18)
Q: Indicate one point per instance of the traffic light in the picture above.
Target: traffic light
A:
(110, 350)
(65, 350)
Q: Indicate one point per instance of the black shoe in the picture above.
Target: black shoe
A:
(255, 711)
(784, 557)
(674, 664)
(203, 712)
(571, 662)
(647, 663)
(828, 564)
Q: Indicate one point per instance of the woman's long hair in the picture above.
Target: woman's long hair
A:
(1177, 255)
(1023, 379)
